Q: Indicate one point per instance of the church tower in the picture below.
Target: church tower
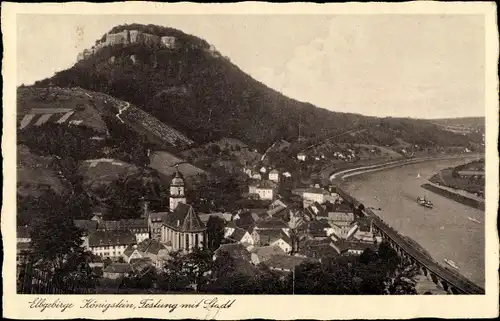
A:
(177, 191)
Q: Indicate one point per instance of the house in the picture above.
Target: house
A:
(282, 213)
(110, 244)
(248, 171)
(260, 254)
(352, 247)
(301, 156)
(273, 238)
(287, 174)
(362, 231)
(284, 263)
(183, 229)
(256, 175)
(320, 229)
(315, 211)
(139, 227)
(318, 249)
(314, 194)
(235, 250)
(266, 190)
(141, 266)
(274, 176)
(117, 270)
(272, 223)
(240, 235)
(240, 255)
(263, 170)
(258, 215)
(151, 249)
(244, 220)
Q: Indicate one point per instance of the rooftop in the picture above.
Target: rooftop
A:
(271, 223)
(111, 238)
(235, 250)
(266, 252)
(184, 219)
(121, 268)
(267, 237)
(146, 246)
(284, 262)
(238, 234)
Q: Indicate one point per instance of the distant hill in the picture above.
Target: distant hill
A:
(462, 125)
(472, 122)
(186, 84)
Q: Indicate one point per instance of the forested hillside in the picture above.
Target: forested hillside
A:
(207, 97)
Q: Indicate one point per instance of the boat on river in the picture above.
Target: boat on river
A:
(473, 220)
(451, 263)
(423, 201)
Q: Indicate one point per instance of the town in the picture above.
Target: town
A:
(155, 165)
(312, 223)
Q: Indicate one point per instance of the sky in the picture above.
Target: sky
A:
(420, 66)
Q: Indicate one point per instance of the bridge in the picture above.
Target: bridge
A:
(450, 281)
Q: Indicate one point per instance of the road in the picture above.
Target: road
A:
(445, 231)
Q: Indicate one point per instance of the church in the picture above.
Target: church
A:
(181, 228)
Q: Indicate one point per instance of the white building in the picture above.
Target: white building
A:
(110, 244)
(274, 176)
(314, 194)
(301, 156)
(266, 190)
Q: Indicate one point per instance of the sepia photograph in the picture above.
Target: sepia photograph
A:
(248, 154)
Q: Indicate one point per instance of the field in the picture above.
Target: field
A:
(103, 171)
(63, 105)
(165, 162)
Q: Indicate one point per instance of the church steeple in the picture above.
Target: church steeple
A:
(177, 190)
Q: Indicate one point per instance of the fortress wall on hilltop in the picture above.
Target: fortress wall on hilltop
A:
(130, 37)
(117, 38)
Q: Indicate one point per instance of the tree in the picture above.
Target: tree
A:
(215, 231)
(56, 245)
(173, 277)
(215, 149)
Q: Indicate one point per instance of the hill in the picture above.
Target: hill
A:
(96, 111)
(466, 122)
(185, 83)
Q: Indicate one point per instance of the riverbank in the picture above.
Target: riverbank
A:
(439, 230)
(454, 196)
(356, 169)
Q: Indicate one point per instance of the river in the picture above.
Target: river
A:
(444, 231)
